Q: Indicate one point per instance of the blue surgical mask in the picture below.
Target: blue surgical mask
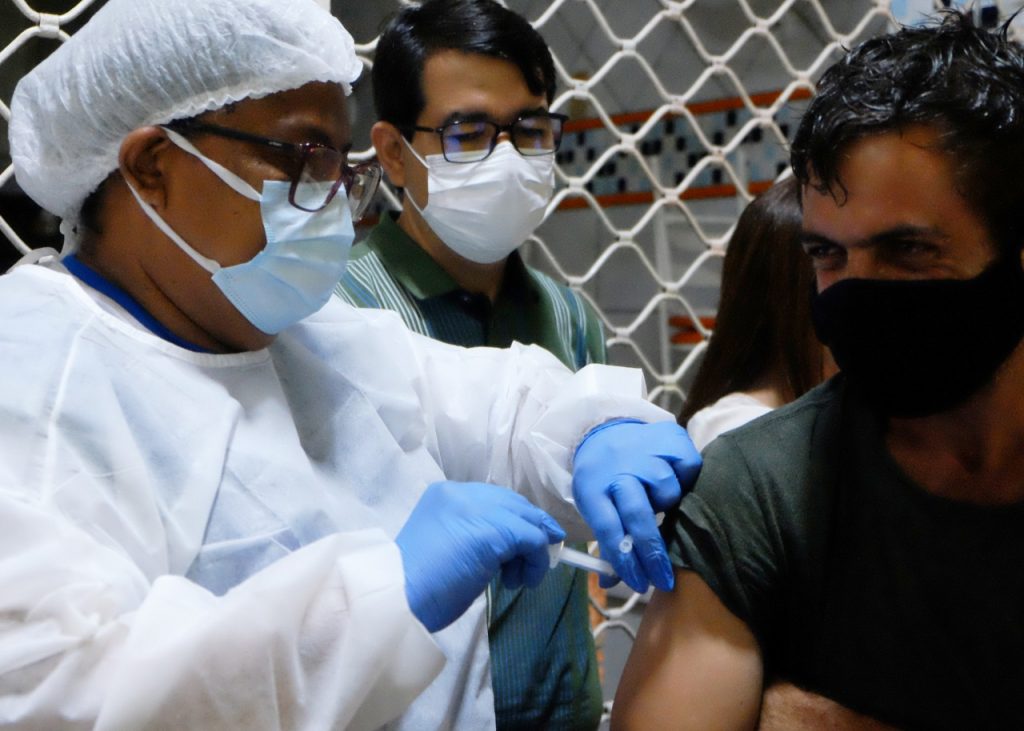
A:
(296, 272)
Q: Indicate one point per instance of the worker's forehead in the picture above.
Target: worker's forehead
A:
(316, 112)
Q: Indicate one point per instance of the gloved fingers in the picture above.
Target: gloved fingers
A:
(536, 565)
(687, 470)
(600, 512)
(639, 522)
(526, 559)
(524, 509)
(655, 561)
(595, 504)
(521, 539)
(512, 573)
(527, 570)
(664, 440)
(663, 489)
(684, 458)
(550, 526)
(656, 454)
(669, 442)
(627, 567)
(625, 495)
(667, 439)
(607, 582)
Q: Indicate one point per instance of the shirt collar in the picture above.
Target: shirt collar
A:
(89, 276)
(414, 268)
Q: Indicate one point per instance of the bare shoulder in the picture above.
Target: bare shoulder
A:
(694, 665)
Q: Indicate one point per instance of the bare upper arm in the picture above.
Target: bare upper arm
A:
(694, 665)
(786, 707)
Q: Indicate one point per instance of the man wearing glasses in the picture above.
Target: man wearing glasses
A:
(462, 89)
(229, 500)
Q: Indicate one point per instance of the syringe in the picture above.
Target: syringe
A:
(561, 553)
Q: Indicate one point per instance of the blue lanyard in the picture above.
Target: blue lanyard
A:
(101, 284)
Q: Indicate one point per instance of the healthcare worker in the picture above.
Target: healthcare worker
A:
(225, 503)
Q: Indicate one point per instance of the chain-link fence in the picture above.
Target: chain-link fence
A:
(681, 111)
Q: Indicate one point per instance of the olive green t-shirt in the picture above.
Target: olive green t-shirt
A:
(858, 584)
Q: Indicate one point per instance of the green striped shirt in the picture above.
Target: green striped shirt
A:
(544, 669)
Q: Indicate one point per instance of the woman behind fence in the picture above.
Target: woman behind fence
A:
(763, 352)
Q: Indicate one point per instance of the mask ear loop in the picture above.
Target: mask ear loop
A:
(208, 264)
(226, 176)
(426, 167)
(229, 178)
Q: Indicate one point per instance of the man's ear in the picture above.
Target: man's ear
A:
(142, 162)
(390, 147)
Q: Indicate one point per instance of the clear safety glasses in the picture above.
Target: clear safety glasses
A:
(471, 140)
(313, 163)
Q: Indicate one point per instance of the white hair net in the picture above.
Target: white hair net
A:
(142, 62)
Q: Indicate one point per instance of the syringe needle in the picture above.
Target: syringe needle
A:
(560, 553)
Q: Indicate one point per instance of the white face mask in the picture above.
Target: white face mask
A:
(295, 273)
(484, 210)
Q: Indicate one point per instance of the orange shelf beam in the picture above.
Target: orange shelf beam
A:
(646, 197)
(711, 106)
(686, 332)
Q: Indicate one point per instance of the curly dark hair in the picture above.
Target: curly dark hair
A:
(964, 81)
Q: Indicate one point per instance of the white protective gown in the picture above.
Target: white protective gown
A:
(203, 541)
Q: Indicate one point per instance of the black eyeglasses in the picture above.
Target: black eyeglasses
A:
(537, 133)
(320, 168)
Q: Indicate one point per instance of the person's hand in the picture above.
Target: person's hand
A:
(787, 707)
(457, 538)
(623, 473)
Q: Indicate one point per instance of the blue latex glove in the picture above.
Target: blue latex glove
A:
(457, 538)
(623, 473)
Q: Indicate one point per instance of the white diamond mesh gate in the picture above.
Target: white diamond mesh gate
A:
(681, 111)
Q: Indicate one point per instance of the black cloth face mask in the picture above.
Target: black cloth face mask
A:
(920, 347)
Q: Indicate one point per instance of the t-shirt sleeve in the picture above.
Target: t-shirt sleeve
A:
(726, 531)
